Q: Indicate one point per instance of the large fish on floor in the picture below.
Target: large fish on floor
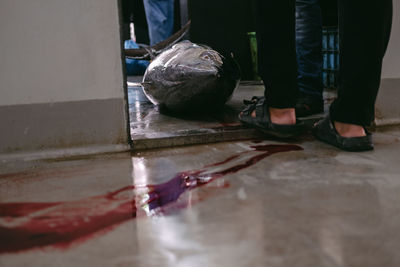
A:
(189, 77)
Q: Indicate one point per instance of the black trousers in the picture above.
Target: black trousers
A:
(364, 30)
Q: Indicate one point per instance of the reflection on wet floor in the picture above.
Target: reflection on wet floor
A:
(32, 225)
(151, 128)
(249, 203)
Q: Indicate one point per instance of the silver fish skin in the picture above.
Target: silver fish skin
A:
(190, 77)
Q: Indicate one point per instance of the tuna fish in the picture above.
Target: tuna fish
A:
(190, 77)
(187, 76)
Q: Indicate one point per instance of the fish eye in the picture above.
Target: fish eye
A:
(212, 56)
(206, 56)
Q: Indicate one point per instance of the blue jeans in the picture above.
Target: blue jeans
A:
(134, 66)
(160, 19)
(308, 47)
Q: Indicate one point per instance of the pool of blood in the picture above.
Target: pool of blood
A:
(31, 225)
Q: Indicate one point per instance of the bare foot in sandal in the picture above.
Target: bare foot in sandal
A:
(280, 123)
(345, 136)
(284, 116)
(349, 130)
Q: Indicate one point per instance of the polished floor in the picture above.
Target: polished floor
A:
(247, 203)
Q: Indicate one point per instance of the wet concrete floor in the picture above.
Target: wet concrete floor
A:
(151, 128)
(245, 203)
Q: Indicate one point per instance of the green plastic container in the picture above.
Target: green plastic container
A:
(253, 51)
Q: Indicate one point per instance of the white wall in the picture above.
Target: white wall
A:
(59, 50)
(391, 63)
(61, 77)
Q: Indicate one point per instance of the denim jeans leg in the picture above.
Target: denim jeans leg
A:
(160, 19)
(308, 47)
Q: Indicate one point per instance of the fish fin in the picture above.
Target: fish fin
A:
(143, 53)
(146, 83)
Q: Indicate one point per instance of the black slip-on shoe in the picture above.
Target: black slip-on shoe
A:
(262, 121)
(307, 105)
(325, 131)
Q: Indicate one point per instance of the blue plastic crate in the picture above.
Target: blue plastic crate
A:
(330, 52)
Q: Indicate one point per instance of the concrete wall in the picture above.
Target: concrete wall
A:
(61, 78)
(391, 64)
(387, 104)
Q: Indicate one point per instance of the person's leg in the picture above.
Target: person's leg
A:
(309, 57)
(275, 26)
(160, 19)
(364, 30)
(275, 114)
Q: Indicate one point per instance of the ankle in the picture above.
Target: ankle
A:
(349, 130)
(283, 115)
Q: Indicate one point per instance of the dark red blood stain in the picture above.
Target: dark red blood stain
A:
(223, 162)
(20, 209)
(26, 226)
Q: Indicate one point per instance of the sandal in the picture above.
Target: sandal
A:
(262, 120)
(325, 131)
